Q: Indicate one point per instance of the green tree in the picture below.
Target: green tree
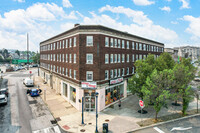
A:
(165, 61)
(36, 58)
(17, 51)
(156, 90)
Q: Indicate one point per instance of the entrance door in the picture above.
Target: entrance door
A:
(89, 101)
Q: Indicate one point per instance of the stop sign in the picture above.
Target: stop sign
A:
(30, 72)
(141, 103)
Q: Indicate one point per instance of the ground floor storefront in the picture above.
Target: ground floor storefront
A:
(87, 94)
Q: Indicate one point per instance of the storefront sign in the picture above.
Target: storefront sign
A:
(115, 81)
(88, 85)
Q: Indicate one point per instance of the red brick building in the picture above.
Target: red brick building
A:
(93, 58)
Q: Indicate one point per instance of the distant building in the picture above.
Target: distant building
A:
(173, 52)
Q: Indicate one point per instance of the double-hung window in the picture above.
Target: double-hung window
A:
(66, 58)
(63, 44)
(70, 42)
(74, 41)
(115, 73)
(111, 42)
(136, 58)
(111, 58)
(89, 75)
(66, 72)
(74, 58)
(89, 58)
(70, 58)
(133, 45)
(115, 43)
(66, 44)
(123, 71)
(127, 58)
(70, 73)
(133, 70)
(119, 72)
(127, 71)
(89, 41)
(119, 43)
(106, 42)
(115, 58)
(106, 58)
(119, 58)
(136, 46)
(106, 74)
(140, 46)
(122, 43)
(133, 57)
(74, 74)
(123, 58)
(111, 73)
(127, 44)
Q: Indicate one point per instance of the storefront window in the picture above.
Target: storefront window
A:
(65, 90)
(89, 100)
(72, 94)
(113, 94)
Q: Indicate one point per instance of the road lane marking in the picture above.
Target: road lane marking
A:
(180, 128)
(54, 129)
(158, 130)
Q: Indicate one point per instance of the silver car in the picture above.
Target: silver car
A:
(3, 99)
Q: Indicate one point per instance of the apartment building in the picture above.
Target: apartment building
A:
(92, 58)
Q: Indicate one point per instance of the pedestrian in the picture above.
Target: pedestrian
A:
(119, 104)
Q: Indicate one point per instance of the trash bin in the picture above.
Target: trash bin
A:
(105, 127)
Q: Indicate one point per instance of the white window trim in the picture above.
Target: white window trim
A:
(89, 72)
(87, 61)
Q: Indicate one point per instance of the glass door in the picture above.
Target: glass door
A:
(89, 101)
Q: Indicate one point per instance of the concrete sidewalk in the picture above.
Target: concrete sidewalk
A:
(119, 120)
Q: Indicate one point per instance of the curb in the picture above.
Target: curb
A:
(163, 123)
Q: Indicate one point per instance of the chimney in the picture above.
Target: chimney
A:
(75, 25)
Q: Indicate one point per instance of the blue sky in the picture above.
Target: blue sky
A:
(172, 22)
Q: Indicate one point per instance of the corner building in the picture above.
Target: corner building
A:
(93, 58)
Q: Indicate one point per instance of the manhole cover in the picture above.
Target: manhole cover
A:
(82, 130)
(89, 123)
(53, 122)
(58, 119)
(66, 127)
(32, 102)
(107, 120)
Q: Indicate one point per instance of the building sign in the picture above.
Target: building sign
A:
(89, 85)
(115, 81)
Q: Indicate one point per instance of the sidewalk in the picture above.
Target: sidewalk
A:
(119, 120)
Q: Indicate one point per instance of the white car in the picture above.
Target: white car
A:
(3, 99)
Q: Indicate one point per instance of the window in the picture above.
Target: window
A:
(111, 73)
(106, 58)
(89, 58)
(66, 72)
(133, 45)
(63, 58)
(140, 57)
(57, 45)
(70, 73)
(73, 94)
(111, 58)
(74, 41)
(63, 43)
(119, 43)
(122, 58)
(122, 71)
(60, 44)
(133, 70)
(51, 46)
(144, 56)
(70, 58)
(119, 71)
(127, 71)
(70, 42)
(111, 42)
(89, 41)
(136, 58)
(74, 74)
(122, 43)
(89, 75)
(127, 58)
(144, 47)
(136, 46)
(106, 42)
(147, 47)
(66, 43)
(119, 58)
(66, 58)
(74, 58)
(106, 74)
(140, 46)
(127, 44)
(115, 58)
(115, 73)
(133, 57)
(115, 43)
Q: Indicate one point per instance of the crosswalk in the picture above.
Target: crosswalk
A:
(54, 129)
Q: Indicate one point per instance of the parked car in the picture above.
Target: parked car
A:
(3, 99)
(197, 78)
(34, 92)
(28, 82)
(35, 65)
(4, 91)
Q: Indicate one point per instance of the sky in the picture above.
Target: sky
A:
(172, 22)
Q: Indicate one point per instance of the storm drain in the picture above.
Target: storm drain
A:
(32, 102)
(58, 119)
(107, 120)
(82, 130)
(53, 121)
(89, 123)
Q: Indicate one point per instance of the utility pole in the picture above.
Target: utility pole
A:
(27, 53)
(37, 63)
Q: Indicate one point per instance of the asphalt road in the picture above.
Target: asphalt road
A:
(186, 125)
(19, 116)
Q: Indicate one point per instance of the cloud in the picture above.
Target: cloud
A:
(166, 8)
(143, 2)
(141, 26)
(185, 4)
(67, 4)
(20, 1)
(174, 22)
(194, 26)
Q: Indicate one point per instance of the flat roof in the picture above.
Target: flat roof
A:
(79, 27)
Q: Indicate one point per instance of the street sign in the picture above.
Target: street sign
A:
(141, 103)
(30, 72)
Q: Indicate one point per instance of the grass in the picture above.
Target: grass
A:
(165, 118)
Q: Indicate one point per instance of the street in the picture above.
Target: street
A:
(21, 115)
(185, 125)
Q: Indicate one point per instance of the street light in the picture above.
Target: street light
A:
(96, 110)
